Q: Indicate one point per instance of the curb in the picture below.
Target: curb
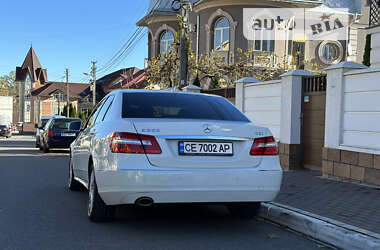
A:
(321, 228)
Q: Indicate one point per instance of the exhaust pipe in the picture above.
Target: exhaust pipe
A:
(144, 202)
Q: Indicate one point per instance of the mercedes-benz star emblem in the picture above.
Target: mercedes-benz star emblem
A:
(207, 129)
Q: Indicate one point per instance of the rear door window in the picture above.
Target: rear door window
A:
(104, 109)
(179, 106)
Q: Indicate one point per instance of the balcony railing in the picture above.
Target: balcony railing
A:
(374, 14)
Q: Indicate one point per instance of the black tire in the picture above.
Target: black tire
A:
(46, 148)
(244, 210)
(97, 210)
(73, 184)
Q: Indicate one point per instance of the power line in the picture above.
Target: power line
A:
(125, 53)
(127, 46)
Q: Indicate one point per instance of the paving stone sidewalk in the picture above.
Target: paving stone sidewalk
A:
(350, 203)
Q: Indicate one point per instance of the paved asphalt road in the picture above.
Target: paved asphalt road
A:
(37, 211)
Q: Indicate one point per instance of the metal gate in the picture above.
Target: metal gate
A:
(313, 120)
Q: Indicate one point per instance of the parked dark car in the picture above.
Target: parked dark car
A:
(60, 133)
(5, 131)
(40, 128)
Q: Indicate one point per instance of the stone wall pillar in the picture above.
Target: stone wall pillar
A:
(290, 132)
(192, 88)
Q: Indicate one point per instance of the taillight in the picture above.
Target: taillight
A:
(264, 146)
(49, 133)
(5, 130)
(124, 142)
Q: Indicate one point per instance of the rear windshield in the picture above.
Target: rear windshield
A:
(66, 124)
(179, 106)
(3, 126)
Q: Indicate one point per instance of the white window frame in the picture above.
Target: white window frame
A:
(222, 30)
(166, 41)
(268, 40)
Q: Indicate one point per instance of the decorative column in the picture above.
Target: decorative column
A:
(21, 103)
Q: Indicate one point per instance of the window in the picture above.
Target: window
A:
(85, 111)
(262, 40)
(166, 42)
(104, 109)
(91, 120)
(66, 124)
(331, 52)
(222, 35)
(58, 97)
(179, 106)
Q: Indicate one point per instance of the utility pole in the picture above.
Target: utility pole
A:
(94, 83)
(185, 7)
(67, 94)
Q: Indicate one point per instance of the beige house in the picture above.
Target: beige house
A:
(219, 29)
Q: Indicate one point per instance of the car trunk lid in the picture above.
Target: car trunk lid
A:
(171, 132)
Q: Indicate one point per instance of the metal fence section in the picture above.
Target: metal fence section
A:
(314, 83)
(374, 14)
(225, 92)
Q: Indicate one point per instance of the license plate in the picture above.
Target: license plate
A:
(68, 134)
(205, 148)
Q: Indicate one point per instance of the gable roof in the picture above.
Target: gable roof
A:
(31, 66)
(107, 79)
(75, 89)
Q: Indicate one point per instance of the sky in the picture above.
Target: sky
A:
(69, 34)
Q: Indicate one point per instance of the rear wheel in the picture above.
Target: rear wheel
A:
(98, 211)
(244, 210)
(45, 148)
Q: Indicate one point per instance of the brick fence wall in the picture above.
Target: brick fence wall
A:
(290, 156)
(350, 165)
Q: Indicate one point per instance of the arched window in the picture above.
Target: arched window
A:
(222, 35)
(166, 41)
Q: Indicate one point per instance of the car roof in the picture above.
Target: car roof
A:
(170, 91)
(47, 117)
(67, 118)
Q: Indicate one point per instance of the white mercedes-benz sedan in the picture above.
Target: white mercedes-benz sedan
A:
(150, 147)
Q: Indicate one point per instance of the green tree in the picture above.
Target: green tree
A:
(83, 117)
(367, 51)
(8, 86)
(197, 81)
(73, 111)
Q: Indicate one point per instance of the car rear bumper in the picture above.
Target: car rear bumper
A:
(60, 143)
(186, 186)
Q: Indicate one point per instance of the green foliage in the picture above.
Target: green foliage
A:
(197, 81)
(73, 111)
(367, 51)
(90, 111)
(8, 86)
(83, 117)
(217, 83)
